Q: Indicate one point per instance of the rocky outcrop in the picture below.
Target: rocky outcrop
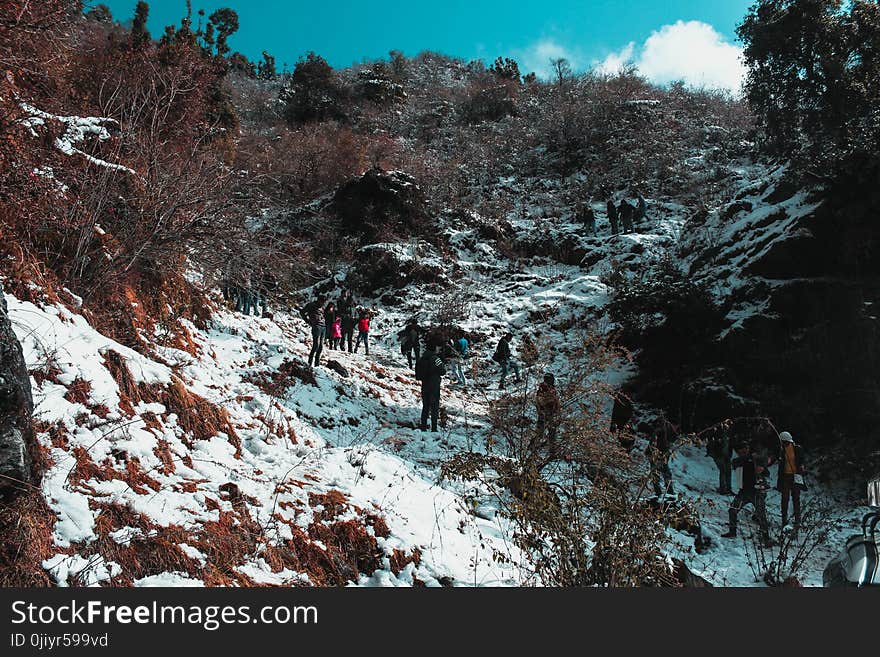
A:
(380, 204)
(802, 337)
(16, 407)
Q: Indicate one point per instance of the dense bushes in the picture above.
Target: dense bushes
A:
(672, 320)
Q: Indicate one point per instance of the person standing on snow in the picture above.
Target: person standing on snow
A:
(659, 453)
(430, 369)
(313, 314)
(363, 332)
(410, 338)
(613, 217)
(336, 334)
(345, 309)
(790, 477)
(718, 447)
(642, 210)
(753, 490)
(587, 217)
(329, 318)
(626, 212)
(504, 357)
(460, 348)
(548, 409)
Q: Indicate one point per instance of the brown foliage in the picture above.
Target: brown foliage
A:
(26, 524)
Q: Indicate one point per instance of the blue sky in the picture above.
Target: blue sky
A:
(696, 34)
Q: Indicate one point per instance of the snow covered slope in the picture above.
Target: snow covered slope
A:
(231, 463)
(129, 475)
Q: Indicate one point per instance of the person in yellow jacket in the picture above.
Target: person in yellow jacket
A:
(790, 477)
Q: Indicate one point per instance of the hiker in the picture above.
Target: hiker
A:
(429, 370)
(548, 406)
(329, 319)
(345, 303)
(659, 454)
(313, 314)
(621, 416)
(409, 341)
(503, 357)
(268, 286)
(460, 348)
(363, 332)
(336, 333)
(613, 217)
(642, 210)
(242, 297)
(790, 477)
(752, 490)
(345, 310)
(626, 212)
(587, 217)
(718, 447)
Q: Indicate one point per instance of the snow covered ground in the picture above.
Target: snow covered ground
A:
(345, 442)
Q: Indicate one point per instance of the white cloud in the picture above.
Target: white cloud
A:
(690, 51)
(616, 61)
(537, 57)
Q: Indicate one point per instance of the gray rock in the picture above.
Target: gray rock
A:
(16, 408)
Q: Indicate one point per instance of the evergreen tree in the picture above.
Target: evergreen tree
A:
(813, 71)
(314, 93)
(225, 22)
(505, 68)
(266, 68)
(238, 62)
(100, 14)
(139, 33)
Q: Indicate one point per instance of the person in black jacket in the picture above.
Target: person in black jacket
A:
(718, 447)
(430, 368)
(613, 217)
(345, 308)
(659, 453)
(627, 213)
(753, 490)
(313, 314)
(409, 341)
(504, 357)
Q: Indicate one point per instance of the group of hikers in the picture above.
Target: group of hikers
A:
(248, 292)
(334, 323)
(749, 450)
(624, 216)
(733, 448)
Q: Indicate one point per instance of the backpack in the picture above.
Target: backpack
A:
(497, 357)
(462, 346)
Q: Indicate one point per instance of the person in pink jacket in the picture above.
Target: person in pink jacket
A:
(336, 335)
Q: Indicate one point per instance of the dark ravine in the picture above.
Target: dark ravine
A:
(809, 357)
(16, 409)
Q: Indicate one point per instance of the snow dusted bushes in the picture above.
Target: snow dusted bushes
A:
(380, 204)
(382, 266)
(577, 505)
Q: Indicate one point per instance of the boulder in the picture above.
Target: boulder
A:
(337, 367)
(16, 408)
(379, 204)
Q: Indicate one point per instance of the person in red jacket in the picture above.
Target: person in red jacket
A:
(363, 332)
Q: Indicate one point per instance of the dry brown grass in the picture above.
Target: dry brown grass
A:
(26, 524)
